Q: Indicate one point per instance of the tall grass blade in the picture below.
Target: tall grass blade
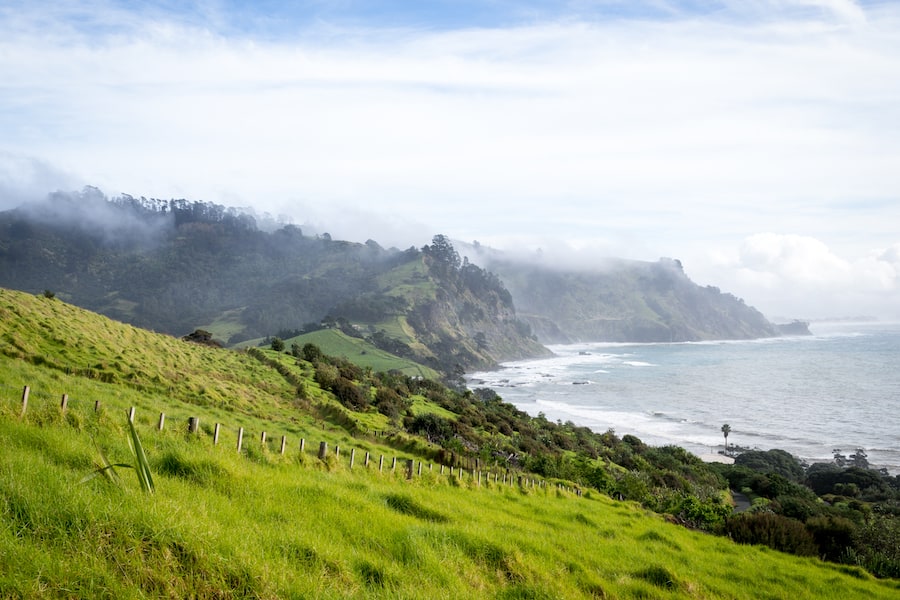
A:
(141, 465)
(106, 468)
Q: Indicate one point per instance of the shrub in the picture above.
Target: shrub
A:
(772, 461)
(434, 428)
(775, 531)
(311, 353)
(390, 403)
(833, 535)
(326, 375)
(350, 394)
(709, 515)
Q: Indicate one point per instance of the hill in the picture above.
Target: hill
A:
(267, 522)
(262, 523)
(175, 266)
(617, 300)
(358, 351)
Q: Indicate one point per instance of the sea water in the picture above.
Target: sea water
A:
(838, 389)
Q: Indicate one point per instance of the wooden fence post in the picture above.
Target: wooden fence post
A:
(283, 443)
(394, 464)
(352, 456)
(323, 450)
(262, 439)
(193, 424)
(64, 403)
(337, 452)
(24, 401)
(131, 415)
(240, 438)
(409, 468)
(420, 468)
(442, 468)
(381, 463)
(302, 445)
(366, 462)
(162, 421)
(216, 435)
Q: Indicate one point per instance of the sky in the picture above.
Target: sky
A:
(757, 141)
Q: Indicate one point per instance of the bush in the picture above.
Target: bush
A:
(798, 508)
(775, 531)
(311, 353)
(434, 428)
(326, 375)
(708, 515)
(833, 535)
(772, 461)
(350, 394)
(390, 403)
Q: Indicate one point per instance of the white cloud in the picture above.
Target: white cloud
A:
(790, 275)
(795, 258)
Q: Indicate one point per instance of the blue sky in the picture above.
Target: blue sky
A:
(758, 140)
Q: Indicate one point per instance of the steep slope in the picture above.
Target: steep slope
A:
(264, 523)
(624, 301)
(461, 313)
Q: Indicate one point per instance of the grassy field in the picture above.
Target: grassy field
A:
(262, 524)
(336, 343)
(358, 351)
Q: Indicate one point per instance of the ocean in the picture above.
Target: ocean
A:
(809, 395)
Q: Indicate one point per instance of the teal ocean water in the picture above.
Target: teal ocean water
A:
(809, 395)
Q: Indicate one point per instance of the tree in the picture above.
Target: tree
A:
(860, 459)
(726, 429)
(311, 352)
(443, 252)
(277, 344)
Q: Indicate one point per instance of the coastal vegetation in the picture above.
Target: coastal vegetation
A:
(533, 508)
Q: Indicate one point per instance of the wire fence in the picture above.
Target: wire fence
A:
(475, 475)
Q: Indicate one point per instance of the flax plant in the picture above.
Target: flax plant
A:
(141, 465)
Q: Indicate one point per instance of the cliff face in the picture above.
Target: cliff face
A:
(626, 301)
(470, 319)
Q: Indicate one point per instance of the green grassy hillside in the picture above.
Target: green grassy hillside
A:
(265, 524)
(358, 351)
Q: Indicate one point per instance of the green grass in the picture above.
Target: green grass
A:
(228, 525)
(421, 406)
(360, 352)
(262, 524)
(410, 281)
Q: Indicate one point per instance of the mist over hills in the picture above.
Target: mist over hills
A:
(619, 300)
(176, 265)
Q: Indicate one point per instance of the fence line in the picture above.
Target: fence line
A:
(476, 474)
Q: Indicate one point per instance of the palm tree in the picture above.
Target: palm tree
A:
(726, 429)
